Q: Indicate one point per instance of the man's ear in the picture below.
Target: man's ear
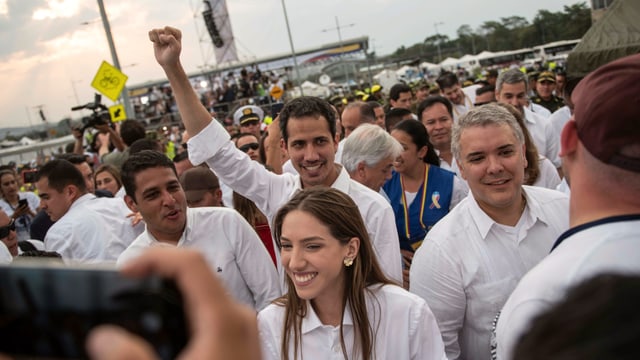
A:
(71, 191)
(360, 169)
(218, 195)
(131, 203)
(461, 169)
(569, 138)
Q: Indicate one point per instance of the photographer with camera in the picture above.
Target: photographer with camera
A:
(120, 137)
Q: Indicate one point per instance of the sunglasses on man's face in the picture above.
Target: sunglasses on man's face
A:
(245, 148)
(5, 230)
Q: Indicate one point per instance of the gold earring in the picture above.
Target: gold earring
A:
(348, 262)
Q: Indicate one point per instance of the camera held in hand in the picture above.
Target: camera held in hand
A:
(100, 113)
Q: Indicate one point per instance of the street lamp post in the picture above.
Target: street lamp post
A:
(435, 25)
(337, 28)
(293, 51)
(114, 55)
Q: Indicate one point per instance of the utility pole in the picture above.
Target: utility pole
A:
(337, 28)
(435, 25)
(293, 51)
(114, 55)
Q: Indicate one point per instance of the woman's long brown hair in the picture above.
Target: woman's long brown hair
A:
(340, 214)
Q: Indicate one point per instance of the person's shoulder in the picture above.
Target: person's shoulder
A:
(219, 214)
(544, 195)
(272, 314)
(30, 195)
(360, 193)
(134, 249)
(396, 295)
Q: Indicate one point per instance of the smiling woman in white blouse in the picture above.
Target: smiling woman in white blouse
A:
(339, 304)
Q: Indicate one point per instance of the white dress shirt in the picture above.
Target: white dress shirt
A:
(270, 191)
(468, 100)
(543, 137)
(605, 246)
(468, 265)
(403, 327)
(548, 177)
(81, 234)
(558, 119)
(114, 213)
(232, 249)
(453, 167)
(539, 109)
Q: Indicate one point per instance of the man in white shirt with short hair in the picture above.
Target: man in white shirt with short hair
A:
(472, 259)
(222, 235)
(511, 88)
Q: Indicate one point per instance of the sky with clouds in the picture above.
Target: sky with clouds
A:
(49, 48)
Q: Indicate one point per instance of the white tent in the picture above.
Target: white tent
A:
(428, 65)
(311, 89)
(386, 78)
(26, 141)
(468, 61)
(449, 63)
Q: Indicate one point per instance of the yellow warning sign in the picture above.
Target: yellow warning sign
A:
(109, 81)
(117, 113)
(276, 92)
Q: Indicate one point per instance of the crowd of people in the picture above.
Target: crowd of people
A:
(436, 224)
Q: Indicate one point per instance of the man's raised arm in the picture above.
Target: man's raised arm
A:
(166, 47)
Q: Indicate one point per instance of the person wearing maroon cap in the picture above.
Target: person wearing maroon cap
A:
(601, 159)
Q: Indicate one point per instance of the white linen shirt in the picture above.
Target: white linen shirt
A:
(232, 249)
(403, 325)
(468, 265)
(605, 246)
(548, 177)
(547, 143)
(270, 191)
(80, 235)
(114, 213)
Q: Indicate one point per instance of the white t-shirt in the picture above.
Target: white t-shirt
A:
(608, 245)
(468, 265)
(543, 137)
(403, 325)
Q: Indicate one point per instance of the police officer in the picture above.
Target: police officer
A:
(545, 86)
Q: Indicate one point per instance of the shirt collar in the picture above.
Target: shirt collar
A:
(608, 220)
(529, 115)
(484, 222)
(184, 238)
(312, 321)
(341, 183)
(82, 199)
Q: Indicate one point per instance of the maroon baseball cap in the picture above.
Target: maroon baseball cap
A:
(607, 111)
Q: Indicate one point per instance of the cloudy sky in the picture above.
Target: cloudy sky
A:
(49, 48)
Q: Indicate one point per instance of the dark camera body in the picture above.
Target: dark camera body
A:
(97, 118)
(100, 113)
(47, 310)
(22, 202)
